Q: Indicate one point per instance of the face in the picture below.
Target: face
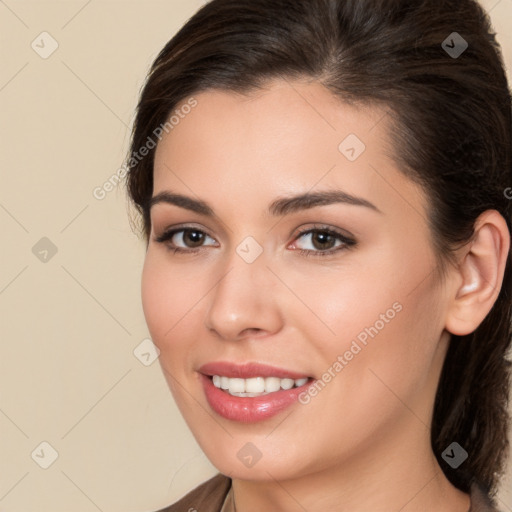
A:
(251, 286)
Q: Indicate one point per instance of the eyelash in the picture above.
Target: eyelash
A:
(347, 242)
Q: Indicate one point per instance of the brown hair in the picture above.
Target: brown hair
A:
(452, 134)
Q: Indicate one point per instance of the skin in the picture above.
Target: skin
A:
(363, 443)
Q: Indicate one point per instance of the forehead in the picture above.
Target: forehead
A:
(289, 137)
(281, 111)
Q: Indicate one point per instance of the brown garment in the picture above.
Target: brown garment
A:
(211, 495)
(207, 497)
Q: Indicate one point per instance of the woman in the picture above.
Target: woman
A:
(328, 266)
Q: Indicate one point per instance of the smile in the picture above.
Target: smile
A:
(250, 392)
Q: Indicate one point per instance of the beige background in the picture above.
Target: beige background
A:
(69, 326)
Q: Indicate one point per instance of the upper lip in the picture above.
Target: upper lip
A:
(248, 370)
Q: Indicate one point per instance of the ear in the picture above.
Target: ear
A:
(479, 276)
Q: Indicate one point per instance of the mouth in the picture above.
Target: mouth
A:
(250, 392)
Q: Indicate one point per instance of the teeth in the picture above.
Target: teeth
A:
(224, 382)
(255, 386)
(287, 383)
(236, 385)
(272, 384)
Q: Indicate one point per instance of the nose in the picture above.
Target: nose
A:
(244, 303)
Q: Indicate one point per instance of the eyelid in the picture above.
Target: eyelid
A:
(324, 228)
(346, 240)
(169, 232)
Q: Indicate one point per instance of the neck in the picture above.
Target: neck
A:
(398, 474)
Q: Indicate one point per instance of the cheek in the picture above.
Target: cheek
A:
(398, 352)
(338, 305)
(153, 296)
(163, 299)
(173, 301)
(378, 312)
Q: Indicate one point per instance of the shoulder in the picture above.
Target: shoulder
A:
(480, 500)
(209, 496)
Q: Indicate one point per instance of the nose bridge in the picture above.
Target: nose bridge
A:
(242, 299)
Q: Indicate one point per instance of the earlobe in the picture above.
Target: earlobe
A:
(480, 274)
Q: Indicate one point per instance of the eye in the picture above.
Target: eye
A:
(323, 241)
(183, 239)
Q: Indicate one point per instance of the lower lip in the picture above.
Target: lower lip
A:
(249, 409)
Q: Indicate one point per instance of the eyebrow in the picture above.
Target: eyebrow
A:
(278, 208)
